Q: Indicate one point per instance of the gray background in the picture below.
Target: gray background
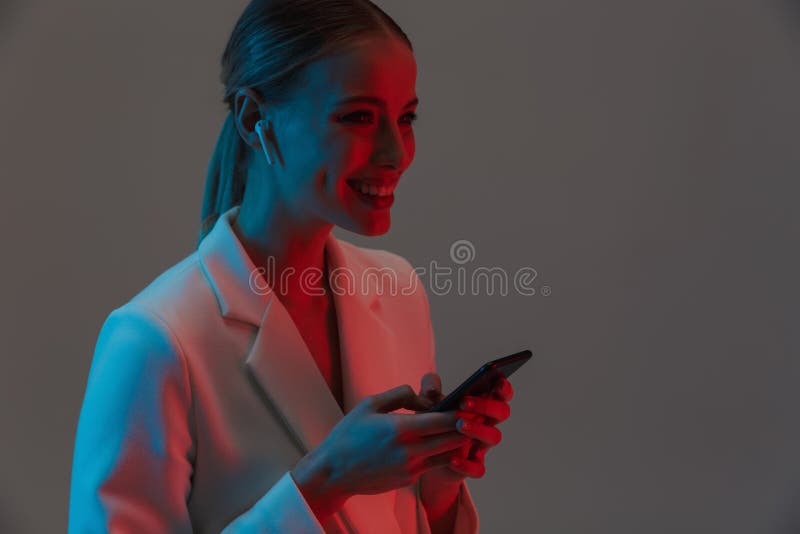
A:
(641, 156)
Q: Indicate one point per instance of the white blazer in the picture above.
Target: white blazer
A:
(202, 395)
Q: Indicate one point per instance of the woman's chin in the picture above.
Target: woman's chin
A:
(372, 226)
(378, 227)
(376, 232)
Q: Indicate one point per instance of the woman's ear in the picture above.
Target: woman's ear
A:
(247, 111)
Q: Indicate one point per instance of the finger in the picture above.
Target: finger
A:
(478, 451)
(467, 467)
(464, 451)
(423, 424)
(488, 434)
(427, 402)
(431, 386)
(438, 444)
(470, 416)
(419, 404)
(494, 409)
(402, 396)
(503, 389)
(473, 417)
(437, 460)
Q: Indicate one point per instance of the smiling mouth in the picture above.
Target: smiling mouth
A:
(370, 189)
(373, 196)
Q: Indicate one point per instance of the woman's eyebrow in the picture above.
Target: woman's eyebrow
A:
(373, 100)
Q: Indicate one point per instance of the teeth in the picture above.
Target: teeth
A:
(373, 190)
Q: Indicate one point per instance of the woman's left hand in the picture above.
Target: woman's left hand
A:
(484, 413)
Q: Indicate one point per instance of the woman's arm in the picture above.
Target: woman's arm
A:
(134, 448)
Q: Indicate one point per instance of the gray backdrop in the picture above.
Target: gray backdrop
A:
(641, 156)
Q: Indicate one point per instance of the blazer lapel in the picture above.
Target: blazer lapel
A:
(282, 367)
(287, 374)
(367, 343)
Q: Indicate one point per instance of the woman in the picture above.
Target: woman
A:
(230, 395)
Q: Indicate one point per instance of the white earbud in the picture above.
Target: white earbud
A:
(259, 125)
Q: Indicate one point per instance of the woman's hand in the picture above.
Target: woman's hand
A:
(481, 416)
(372, 451)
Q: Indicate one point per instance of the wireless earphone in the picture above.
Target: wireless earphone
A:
(259, 125)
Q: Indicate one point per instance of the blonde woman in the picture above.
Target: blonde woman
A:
(263, 384)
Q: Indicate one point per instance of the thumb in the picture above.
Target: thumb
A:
(431, 386)
(398, 397)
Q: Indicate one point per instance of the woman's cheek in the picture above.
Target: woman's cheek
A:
(411, 147)
(358, 153)
(410, 155)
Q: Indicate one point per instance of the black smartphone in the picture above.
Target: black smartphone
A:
(482, 380)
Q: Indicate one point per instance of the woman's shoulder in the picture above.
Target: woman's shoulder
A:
(177, 295)
(178, 283)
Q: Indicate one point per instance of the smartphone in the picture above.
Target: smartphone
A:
(482, 381)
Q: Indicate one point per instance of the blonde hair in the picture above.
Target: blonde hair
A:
(270, 46)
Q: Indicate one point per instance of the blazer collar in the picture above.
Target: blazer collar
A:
(243, 296)
(279, 363)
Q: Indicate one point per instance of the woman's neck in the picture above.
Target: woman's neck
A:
(285, 250)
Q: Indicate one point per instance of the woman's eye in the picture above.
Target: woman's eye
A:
(365, 117)
(410, 117)
(359, 117)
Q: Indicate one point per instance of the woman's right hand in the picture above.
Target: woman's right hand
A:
(372, 451)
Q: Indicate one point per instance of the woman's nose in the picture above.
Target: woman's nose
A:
(389, 148)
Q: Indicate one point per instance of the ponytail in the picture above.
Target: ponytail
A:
(225, 180)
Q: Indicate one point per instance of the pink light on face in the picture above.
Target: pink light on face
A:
(352, 120)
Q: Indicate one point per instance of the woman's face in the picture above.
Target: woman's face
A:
(347, 129)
